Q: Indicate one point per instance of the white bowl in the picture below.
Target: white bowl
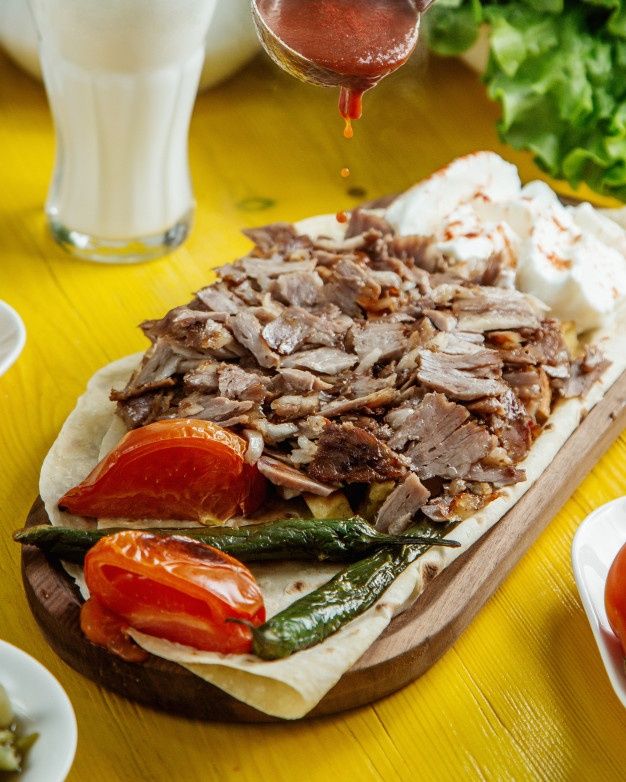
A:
(41, 706)
(595, 546)
(231, 40)
(12, 336)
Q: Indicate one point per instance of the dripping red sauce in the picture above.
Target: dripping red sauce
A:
(351, 43)
(342, 217)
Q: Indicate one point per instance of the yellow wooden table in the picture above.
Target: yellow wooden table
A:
(522, 695)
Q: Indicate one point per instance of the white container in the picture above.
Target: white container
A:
(18, 34)
(596, 544)
(121, 77)
(41, 706)
(12, 336)
(231, 40)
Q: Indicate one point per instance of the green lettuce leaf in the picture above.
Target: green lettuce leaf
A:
(453, 25)
(558, 70)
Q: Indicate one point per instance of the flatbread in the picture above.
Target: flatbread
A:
(291, 687)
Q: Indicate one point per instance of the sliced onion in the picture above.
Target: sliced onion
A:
(255, 445)
(282, 475)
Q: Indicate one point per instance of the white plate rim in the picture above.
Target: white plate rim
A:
(16, 348)
(62, 709)
(607, 644)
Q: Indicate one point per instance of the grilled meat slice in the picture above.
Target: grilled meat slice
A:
(498, 476)
(586, 371)
(203, 377)
(401, 505)
(382, 398)
(513, 427)
(298, 381)
(237, 383)
(364, 220)
(145, 409)
(276, 238)
(247, 331)
(442, 442)
(297, 327)
(464, 377)
(351, 286)
(292, 406)
(483, 308)
(326, 361)
(155, 372)
(219, 409)
(386, 340)
(218, 298)
(349, 454)
(298, 289)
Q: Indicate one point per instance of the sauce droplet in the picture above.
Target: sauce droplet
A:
(350, 103)
(342, 217)
(345, 172)
(350, 107)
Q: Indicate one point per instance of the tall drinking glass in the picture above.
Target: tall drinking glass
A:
(121, 77)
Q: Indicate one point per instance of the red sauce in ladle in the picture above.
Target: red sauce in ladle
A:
(359, 41)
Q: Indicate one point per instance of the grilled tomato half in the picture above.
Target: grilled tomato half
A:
(177, 469)
(173, 588)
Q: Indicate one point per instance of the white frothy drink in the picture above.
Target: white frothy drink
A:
(121, 77)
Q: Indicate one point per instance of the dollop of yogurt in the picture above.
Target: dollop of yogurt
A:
(475, 210)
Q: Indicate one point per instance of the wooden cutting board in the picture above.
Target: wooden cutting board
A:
(412, 642)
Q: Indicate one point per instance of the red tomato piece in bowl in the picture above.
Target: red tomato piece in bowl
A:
(615, 596)
(177, 469)
(173, 588)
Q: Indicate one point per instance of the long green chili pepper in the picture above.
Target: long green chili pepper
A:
(316, 616)
(335, 540)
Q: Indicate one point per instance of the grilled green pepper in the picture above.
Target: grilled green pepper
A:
(316, 616)
(335, 540)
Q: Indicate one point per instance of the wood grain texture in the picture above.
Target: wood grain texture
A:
(522, 695)
(412, 643)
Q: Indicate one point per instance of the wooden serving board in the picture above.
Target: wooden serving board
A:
(412, 642)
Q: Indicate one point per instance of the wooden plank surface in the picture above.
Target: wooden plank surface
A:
(412, 643)
(522, 695)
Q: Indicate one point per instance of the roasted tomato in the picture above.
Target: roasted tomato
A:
(178, 469)
(169, 587)
(106, 629)
(615, 596)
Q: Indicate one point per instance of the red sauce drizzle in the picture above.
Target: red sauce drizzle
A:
(350, 103)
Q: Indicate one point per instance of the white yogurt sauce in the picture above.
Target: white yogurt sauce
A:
(121, 77)
(572, 258)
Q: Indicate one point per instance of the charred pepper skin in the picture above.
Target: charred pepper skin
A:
(331, 540)
(321, 613)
